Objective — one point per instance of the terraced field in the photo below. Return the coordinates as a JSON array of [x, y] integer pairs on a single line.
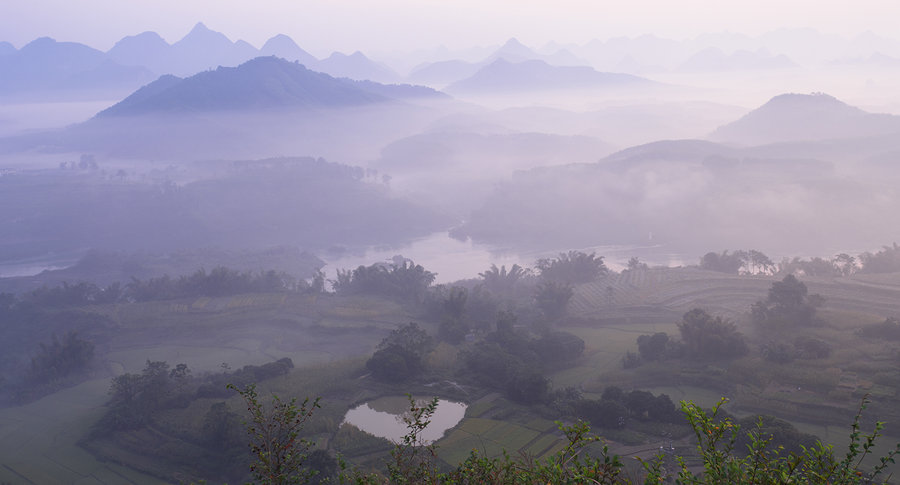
[[38, 441], [681, 289]]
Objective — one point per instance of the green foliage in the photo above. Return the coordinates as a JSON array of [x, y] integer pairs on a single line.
[[551, 298], [724, 262], [501, 282], [401, 354], [61, 358], [708, 337], [275, 442], [765, 464], [402, 280], [136, 397], [558, 348], [788, 303], [572, 268], [653, 347], [885, 261]]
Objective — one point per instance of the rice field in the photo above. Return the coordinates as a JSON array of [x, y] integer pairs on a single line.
[[38, 441]]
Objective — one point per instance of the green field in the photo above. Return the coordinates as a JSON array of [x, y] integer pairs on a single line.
[[329, 338]]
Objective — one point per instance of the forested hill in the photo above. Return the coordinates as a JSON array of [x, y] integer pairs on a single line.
[[264, 83]]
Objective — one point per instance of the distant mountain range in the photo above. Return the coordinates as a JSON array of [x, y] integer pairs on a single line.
[[446, 72], [263, 83], [45, 65], [805, 117], [713, 59], [504, 76]]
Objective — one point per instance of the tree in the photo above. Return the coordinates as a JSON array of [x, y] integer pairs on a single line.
[[653, 347], [502, 282], [572, 268], [635, 264], [275, 442], [844, 264], [708, 337], [552, 297], [401, 354], [787, 303], [759, 263], [61, 358], [885, 261], [724, 262], [558, 347]]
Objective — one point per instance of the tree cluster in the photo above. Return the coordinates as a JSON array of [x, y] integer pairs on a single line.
[[748, 262], [401, 354], [404, 280], [887, 260], [572, 268], [135, 398], [515, 363], [61, 358], [616, 407], [221, 281], [788, 304], [703, 337]]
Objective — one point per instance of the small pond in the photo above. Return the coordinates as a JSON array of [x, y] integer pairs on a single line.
[[383, 417]]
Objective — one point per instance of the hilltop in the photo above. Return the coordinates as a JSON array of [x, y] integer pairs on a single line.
[[805, 117], [262, 83]]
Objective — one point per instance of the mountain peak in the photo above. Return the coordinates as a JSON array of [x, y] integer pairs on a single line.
[[513, 42], [283, 46], [199, 27], [804, 117], [263, 83]]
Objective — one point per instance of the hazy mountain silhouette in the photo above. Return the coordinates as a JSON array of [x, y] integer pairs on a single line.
[[259, 84], [263, 83], [284, 47], [443, 72], [146, 49], [7, 49], [805, 117], [446, 72], [513, 51], [203, 48], [356, 66], [47, 65], [713, 59], [501, 75]]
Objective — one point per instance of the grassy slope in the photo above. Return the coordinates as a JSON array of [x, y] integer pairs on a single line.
[[258, 328], [38, 441]]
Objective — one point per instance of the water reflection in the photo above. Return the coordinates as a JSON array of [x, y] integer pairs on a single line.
[[383, 417]]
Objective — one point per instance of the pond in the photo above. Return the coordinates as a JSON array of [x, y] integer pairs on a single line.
[[383, 417]]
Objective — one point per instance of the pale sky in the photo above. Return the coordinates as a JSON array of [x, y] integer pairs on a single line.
[[322, 26]]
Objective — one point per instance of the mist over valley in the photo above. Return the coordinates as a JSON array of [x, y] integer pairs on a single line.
[[616, 232]]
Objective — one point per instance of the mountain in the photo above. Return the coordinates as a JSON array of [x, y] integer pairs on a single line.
[[443, 72], [47, 65], [146, 49], [713, 59], [504, 76], [203, 49], [356, 66], [805, 117], [7, 49], [450, 71], [284, 47], [513, 51], [264, 83]]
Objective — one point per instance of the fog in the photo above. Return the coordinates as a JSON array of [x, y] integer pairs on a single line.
[[491, 223]]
